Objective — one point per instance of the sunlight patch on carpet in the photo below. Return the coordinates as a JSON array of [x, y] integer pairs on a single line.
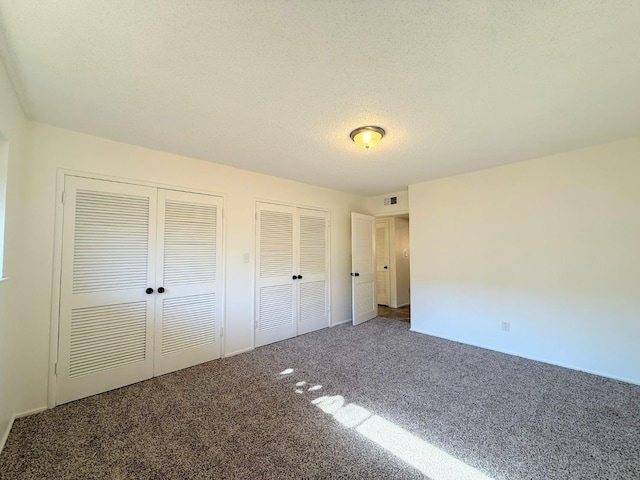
[[425, 457]]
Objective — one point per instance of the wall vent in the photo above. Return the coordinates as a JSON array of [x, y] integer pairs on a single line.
[[391, 201]]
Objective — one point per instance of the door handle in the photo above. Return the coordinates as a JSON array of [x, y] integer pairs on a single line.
[[160, 289], [385, 267], [357, 274], [299, 277], [295, 277], [149, 291]]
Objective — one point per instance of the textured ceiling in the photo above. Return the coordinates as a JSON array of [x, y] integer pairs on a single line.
[[276, 86]]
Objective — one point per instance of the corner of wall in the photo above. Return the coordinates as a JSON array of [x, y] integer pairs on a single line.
[[12, 129]]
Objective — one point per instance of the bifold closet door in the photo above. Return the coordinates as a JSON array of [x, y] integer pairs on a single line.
[[188, 300], [292, 272], [276, 286], [106, 314], [141, 286], [313, 287]]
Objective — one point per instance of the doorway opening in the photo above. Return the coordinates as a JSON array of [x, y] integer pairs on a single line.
[[393, 288], [403, 313]]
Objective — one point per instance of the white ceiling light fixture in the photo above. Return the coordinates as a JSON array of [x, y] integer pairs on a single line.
[[367, 137]]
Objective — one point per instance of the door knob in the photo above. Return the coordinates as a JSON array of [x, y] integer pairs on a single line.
[[385, 267], [160, 289], [149, 291], [357, 274], [295, 277], [299, 277]]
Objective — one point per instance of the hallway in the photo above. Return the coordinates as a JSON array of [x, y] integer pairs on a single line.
[[403, 313]]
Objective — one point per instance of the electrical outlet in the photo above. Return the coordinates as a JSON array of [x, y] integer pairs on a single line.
[[506, 326]]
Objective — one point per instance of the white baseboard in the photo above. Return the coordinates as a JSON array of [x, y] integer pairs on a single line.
[[237, 352], [348, 320], [535, 359], [5, 436], [3, 440], [31, 412]]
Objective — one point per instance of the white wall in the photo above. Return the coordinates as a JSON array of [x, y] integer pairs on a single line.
[[375, 205], [402, 270], [53, 148], [12, 129], [550, 245]]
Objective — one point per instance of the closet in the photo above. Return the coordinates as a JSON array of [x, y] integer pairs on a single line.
[[140, 291], [292, 272]]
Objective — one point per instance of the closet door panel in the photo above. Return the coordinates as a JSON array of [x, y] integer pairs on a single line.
[[189, 303], [277, 251], [313, 287], [106, 316]]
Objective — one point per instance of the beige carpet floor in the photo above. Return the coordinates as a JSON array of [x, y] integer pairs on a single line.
[[373, 401]]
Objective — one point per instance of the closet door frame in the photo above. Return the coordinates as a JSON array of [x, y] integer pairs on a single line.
[[61, 174], [257, 201]]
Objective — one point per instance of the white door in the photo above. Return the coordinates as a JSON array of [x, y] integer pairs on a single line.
[[363, 268], [382, 262], [313, 280], [140, 284], [276, 273], [106, 316], [188, 298]]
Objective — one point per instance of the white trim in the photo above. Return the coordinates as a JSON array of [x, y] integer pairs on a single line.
[[399, 213], [329, 253], [271, 201], [30, 412], [135, 181], [4, 279], [5, 436], [223, 272], [348, 320], [535, 359], [55, 288], [13, 418], [238, 352], [61, 174], [254, 276]]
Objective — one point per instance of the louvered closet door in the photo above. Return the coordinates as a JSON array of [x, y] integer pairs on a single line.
[[106, 317], [189, 310], [313, 287], [275, 266]]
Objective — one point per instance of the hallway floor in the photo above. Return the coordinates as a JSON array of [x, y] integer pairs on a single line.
[[403, 313]]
